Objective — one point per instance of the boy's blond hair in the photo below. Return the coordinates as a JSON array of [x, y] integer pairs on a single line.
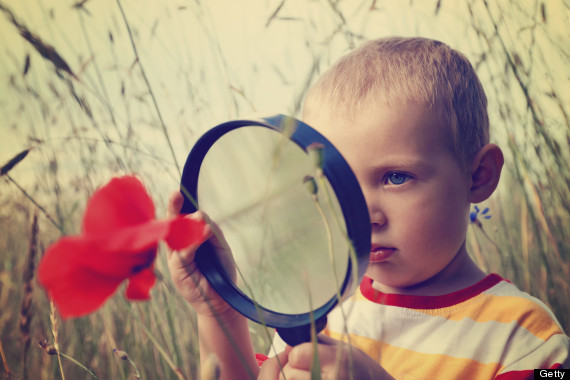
[[419, 70]]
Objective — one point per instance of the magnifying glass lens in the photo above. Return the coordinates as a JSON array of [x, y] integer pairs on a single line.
[[280, 217]]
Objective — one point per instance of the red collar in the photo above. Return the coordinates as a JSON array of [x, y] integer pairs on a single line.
[[427, 302]]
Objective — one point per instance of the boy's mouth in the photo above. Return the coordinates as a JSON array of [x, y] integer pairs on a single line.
[[379, 254]]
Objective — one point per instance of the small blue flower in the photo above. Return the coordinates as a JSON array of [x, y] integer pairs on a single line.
[[473, 215]]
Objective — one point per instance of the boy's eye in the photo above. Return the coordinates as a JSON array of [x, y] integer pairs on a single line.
[[398, 178]]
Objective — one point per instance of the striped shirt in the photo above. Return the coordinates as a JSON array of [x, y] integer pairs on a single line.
[[490, 330]]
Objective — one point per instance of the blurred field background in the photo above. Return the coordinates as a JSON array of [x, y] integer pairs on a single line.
[[102, 88]]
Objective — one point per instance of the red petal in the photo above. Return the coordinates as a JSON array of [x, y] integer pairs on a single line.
[[117, 264], [135, 238], [184, 232], [75, 289], [122, 202], [80, 273], [119, 242], [140, 285], [127, 250], [261, 358]]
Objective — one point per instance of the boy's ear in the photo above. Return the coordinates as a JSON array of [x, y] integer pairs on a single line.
[[485, 171]]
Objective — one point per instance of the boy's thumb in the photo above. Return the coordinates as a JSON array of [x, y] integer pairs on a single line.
[[327, 340]]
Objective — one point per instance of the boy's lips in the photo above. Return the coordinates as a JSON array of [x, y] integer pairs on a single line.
[[379, 254]]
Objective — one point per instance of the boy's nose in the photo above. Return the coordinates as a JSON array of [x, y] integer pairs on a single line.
[[377, 216], [377, 219]]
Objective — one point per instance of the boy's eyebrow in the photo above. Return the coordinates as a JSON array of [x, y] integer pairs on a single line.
[[400, 162]]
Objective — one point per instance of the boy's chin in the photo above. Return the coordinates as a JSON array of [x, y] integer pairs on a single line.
[[386, 280], [382, 273]]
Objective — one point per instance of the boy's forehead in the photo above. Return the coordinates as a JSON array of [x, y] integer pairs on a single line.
[[413, 123], [380, 114]]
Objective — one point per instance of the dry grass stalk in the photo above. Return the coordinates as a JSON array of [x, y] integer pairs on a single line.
[[47, 51], [124, 356], [28, 280], [7, 371], [42, 209], [54, 330]]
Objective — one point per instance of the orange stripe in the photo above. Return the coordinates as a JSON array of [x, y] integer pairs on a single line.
[[486, 308], [407, 364]]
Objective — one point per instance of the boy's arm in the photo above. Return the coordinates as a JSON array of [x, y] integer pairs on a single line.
[[227, 337], [222, 331]]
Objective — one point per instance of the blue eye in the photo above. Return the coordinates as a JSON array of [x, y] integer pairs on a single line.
[[398, 178]]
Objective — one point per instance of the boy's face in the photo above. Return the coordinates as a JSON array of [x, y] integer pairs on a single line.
[[416, 192]]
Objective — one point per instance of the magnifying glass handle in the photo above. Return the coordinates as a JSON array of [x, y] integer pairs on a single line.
[[301, 334]]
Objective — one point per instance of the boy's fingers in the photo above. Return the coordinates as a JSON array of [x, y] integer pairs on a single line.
[[175, 201], [301, 357], [270, 369]]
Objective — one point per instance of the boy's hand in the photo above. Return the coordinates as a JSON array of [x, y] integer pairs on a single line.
[[334, 358], [187, 278]]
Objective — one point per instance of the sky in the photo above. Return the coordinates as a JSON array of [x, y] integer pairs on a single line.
[[211, 61]]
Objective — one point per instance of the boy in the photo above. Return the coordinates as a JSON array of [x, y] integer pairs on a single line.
[[409, 116]]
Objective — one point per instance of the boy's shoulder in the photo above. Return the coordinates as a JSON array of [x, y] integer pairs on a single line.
[[505, 301]]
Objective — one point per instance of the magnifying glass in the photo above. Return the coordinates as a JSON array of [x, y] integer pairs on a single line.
[[293, 215]]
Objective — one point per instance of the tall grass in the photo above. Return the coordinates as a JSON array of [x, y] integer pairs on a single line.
[[529, 101], [106, 88]]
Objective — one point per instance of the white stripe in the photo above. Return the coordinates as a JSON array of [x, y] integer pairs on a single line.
[[554, 350]]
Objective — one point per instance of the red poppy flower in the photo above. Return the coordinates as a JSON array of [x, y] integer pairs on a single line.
[[118, 242]]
